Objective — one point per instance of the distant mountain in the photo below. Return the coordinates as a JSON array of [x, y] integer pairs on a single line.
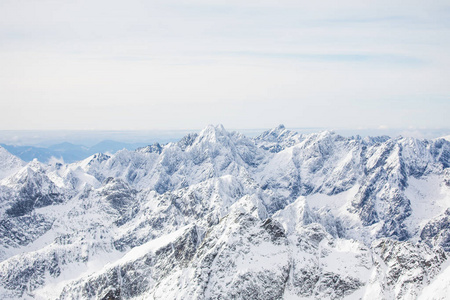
[[113, 146], [218, 215], [28, 153], [67, 151], [65, 147]]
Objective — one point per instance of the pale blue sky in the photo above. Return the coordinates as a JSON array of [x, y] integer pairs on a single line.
[[132, 65]]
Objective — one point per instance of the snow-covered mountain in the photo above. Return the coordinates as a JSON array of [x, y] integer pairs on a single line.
[[66, 151], [218, 215], [9, 164], [446, 137]]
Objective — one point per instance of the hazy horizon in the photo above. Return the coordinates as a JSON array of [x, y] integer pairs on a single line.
[[46, 138]]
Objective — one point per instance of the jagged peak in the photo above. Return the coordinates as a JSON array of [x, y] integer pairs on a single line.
[[5, 154], [97, 157], [447, 138], [187, 140], [320, 136], [114, 183], [212, 133], [4, 151], [31, 168], [9, 163], [326, 133], [153, 148], [280, 127], [278, 138], [213, 129], [295, 214], [31, 172], [376, 139], [277, 130], [276, 133]]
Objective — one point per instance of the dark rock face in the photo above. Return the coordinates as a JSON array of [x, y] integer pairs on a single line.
[[408, 265], [35, 190], [112, 295], [336, 286], [28, 203], [440, 150], [23, 230], [364, 204], [437, 231], [30, 274], [137, 275], [99, 158], [118, 193], [311, 278], [187, 141], [275, 230], [155, 148]]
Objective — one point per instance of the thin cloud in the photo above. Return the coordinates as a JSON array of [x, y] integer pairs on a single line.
[[247, 64]]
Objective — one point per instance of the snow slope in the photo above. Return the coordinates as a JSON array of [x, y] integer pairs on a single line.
[[9, 164]]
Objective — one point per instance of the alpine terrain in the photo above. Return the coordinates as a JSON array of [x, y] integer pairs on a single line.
[[218, 215]]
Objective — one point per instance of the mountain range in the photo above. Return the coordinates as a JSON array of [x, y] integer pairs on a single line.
[[67, 152], [218, 215]]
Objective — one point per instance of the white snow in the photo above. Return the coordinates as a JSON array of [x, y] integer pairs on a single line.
[[439, 288], [9, 164], [429, 198], [151, 246]]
